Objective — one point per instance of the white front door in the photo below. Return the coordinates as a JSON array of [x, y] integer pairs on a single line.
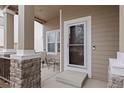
[[77, 41]]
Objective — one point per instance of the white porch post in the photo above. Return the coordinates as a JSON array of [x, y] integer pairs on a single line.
[[61, 42], [25, 70]]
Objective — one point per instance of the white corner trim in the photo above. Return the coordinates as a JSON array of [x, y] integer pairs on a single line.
[[25, 54], [8, 11], [61, 31], [89, 46]]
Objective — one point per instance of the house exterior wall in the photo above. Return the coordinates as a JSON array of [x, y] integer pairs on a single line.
[[26, 28], [104, 33], [9, 33]]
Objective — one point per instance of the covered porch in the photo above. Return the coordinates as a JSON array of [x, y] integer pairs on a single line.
[[61, 48]]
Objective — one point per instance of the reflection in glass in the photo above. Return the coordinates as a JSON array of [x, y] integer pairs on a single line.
[[77, 34], [76, 55], [76, 45], [52, 37], [53, 41], [58, 45], [51, 47]]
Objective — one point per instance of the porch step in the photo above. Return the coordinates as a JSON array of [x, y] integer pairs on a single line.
[[72, 78]]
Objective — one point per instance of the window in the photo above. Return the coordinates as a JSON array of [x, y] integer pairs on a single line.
[[53, 41]]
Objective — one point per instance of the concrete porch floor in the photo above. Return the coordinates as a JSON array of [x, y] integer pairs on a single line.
[[90, 83], [48, 77], [49, 80]]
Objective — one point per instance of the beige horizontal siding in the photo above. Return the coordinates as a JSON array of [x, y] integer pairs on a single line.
[[106, 37], [105, 34]]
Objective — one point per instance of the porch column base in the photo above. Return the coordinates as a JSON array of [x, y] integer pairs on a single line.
[[116, 71], [116, 81], [25, 70]]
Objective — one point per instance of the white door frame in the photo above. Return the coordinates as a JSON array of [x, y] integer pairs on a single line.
[[87, 48]]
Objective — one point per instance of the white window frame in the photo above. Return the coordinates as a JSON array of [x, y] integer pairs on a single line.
[[56, 42]]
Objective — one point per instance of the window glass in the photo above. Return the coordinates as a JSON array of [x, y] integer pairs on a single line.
[[58, 42], [58, 47], [77, 34], [51, 47], [53, 41], [52, 37]]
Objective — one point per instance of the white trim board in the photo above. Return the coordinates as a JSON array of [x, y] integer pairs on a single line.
[[87, 67], [25, 55]]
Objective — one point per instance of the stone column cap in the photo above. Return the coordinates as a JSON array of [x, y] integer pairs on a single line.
[[25, 54]]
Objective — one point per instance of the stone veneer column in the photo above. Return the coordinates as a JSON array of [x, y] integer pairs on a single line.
[[25, 70], [25, 73]]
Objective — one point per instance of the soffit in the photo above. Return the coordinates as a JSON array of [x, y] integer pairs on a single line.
[[43, 12], [47, 12]]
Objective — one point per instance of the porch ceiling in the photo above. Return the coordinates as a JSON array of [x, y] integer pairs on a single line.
[[42, 12], [47, 12]]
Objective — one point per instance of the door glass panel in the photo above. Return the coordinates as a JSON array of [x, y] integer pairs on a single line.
[[76, 34], [76, 55], [76, 45]]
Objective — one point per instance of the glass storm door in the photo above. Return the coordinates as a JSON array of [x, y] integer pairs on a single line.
[[77, 44]]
